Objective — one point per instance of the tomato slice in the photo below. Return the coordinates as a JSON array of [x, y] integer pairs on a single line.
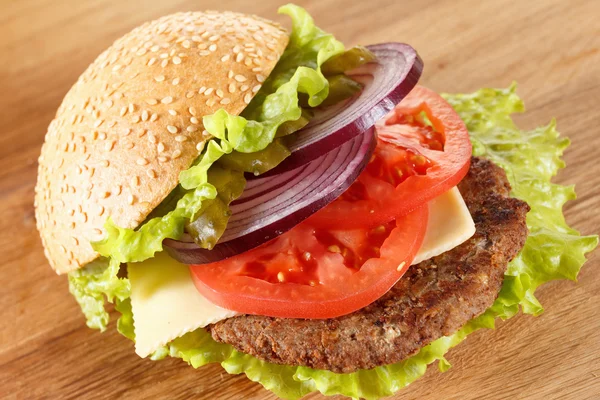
[[311, 272], [423, 150]]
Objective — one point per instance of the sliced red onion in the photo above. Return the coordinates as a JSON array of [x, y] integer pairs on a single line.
[[273, 205], [386, 81]]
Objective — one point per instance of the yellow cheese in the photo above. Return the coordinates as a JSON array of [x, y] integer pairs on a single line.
[[167, 305], [450, 224]]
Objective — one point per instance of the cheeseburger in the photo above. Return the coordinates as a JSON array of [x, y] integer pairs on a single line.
[[296, 210]]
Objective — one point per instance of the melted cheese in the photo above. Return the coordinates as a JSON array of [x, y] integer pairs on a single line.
[[167, 305]]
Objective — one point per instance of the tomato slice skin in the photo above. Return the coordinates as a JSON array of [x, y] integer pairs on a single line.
[[340, 290], [447, 168]]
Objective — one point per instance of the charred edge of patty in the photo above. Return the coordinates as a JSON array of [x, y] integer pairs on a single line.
[[433, 299]]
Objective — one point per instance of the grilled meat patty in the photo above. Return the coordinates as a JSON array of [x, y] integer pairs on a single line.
[[433, 299]]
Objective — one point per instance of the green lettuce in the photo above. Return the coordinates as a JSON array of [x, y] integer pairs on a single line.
[[91, 285], [552, 251]]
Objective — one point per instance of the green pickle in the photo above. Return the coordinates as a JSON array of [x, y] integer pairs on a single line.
[[207, 226], [256, 163]]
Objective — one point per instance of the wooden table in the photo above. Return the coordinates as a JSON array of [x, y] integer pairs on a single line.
[[552, 48]]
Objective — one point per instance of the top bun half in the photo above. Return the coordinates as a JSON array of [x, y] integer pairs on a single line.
[[133, 121]]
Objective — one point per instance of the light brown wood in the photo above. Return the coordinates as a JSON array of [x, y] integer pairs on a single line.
[[552, 48]]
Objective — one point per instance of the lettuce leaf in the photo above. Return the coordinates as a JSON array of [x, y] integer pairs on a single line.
[[93, 284], [552, 251]]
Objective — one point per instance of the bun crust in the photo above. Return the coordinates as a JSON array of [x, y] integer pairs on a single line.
[[133, 121]]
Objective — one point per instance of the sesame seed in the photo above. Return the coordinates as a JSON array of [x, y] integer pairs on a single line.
[[248, 62], [226, 100], [200, 146], [212, 47], [208, 91], [192, 128], [210, 102], [225, 58], [131, 107], [181, 138], [196, 38], [230, 74], [220, 93], [151, 173], [175, 81], [98, 123], [260, 78], [192, 110], [176, 60], [202, 90], [109, 145], [213, 38], [135, 181], [159, 78], [243, 88], [164, 63], [172, 129], [402, 264], [176, 154], [240, 78], [123, 111], [151, 61], [102, 136], [172, 112], [194, 120], [256, 88], [160, 147], [164, 55], [280, 276], [236, 49], [256, 69], [141, 52], [154, 117], [203, 46], [135, 119], [204, 52], [152, 102], [167, 100], [142, 161], [247, 98], [239, 58], [154, 48], [130, 199], [162, 158]]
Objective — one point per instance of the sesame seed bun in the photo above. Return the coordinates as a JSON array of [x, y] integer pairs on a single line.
[[133, 121]]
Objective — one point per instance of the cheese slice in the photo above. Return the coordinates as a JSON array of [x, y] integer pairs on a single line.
[[166, 304], [450, 224]]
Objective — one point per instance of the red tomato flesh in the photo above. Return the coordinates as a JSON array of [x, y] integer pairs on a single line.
[[423, 150], [312, 272]]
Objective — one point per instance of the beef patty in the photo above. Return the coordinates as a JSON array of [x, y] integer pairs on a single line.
[[433, 299]]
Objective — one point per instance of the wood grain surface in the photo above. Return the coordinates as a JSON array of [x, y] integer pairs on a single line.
[[551, 48]]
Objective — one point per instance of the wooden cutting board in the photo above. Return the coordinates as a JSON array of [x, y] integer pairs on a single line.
[[552, 48]]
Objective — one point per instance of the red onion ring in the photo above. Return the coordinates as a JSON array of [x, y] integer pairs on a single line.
[[273, 205], [386, 81]]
